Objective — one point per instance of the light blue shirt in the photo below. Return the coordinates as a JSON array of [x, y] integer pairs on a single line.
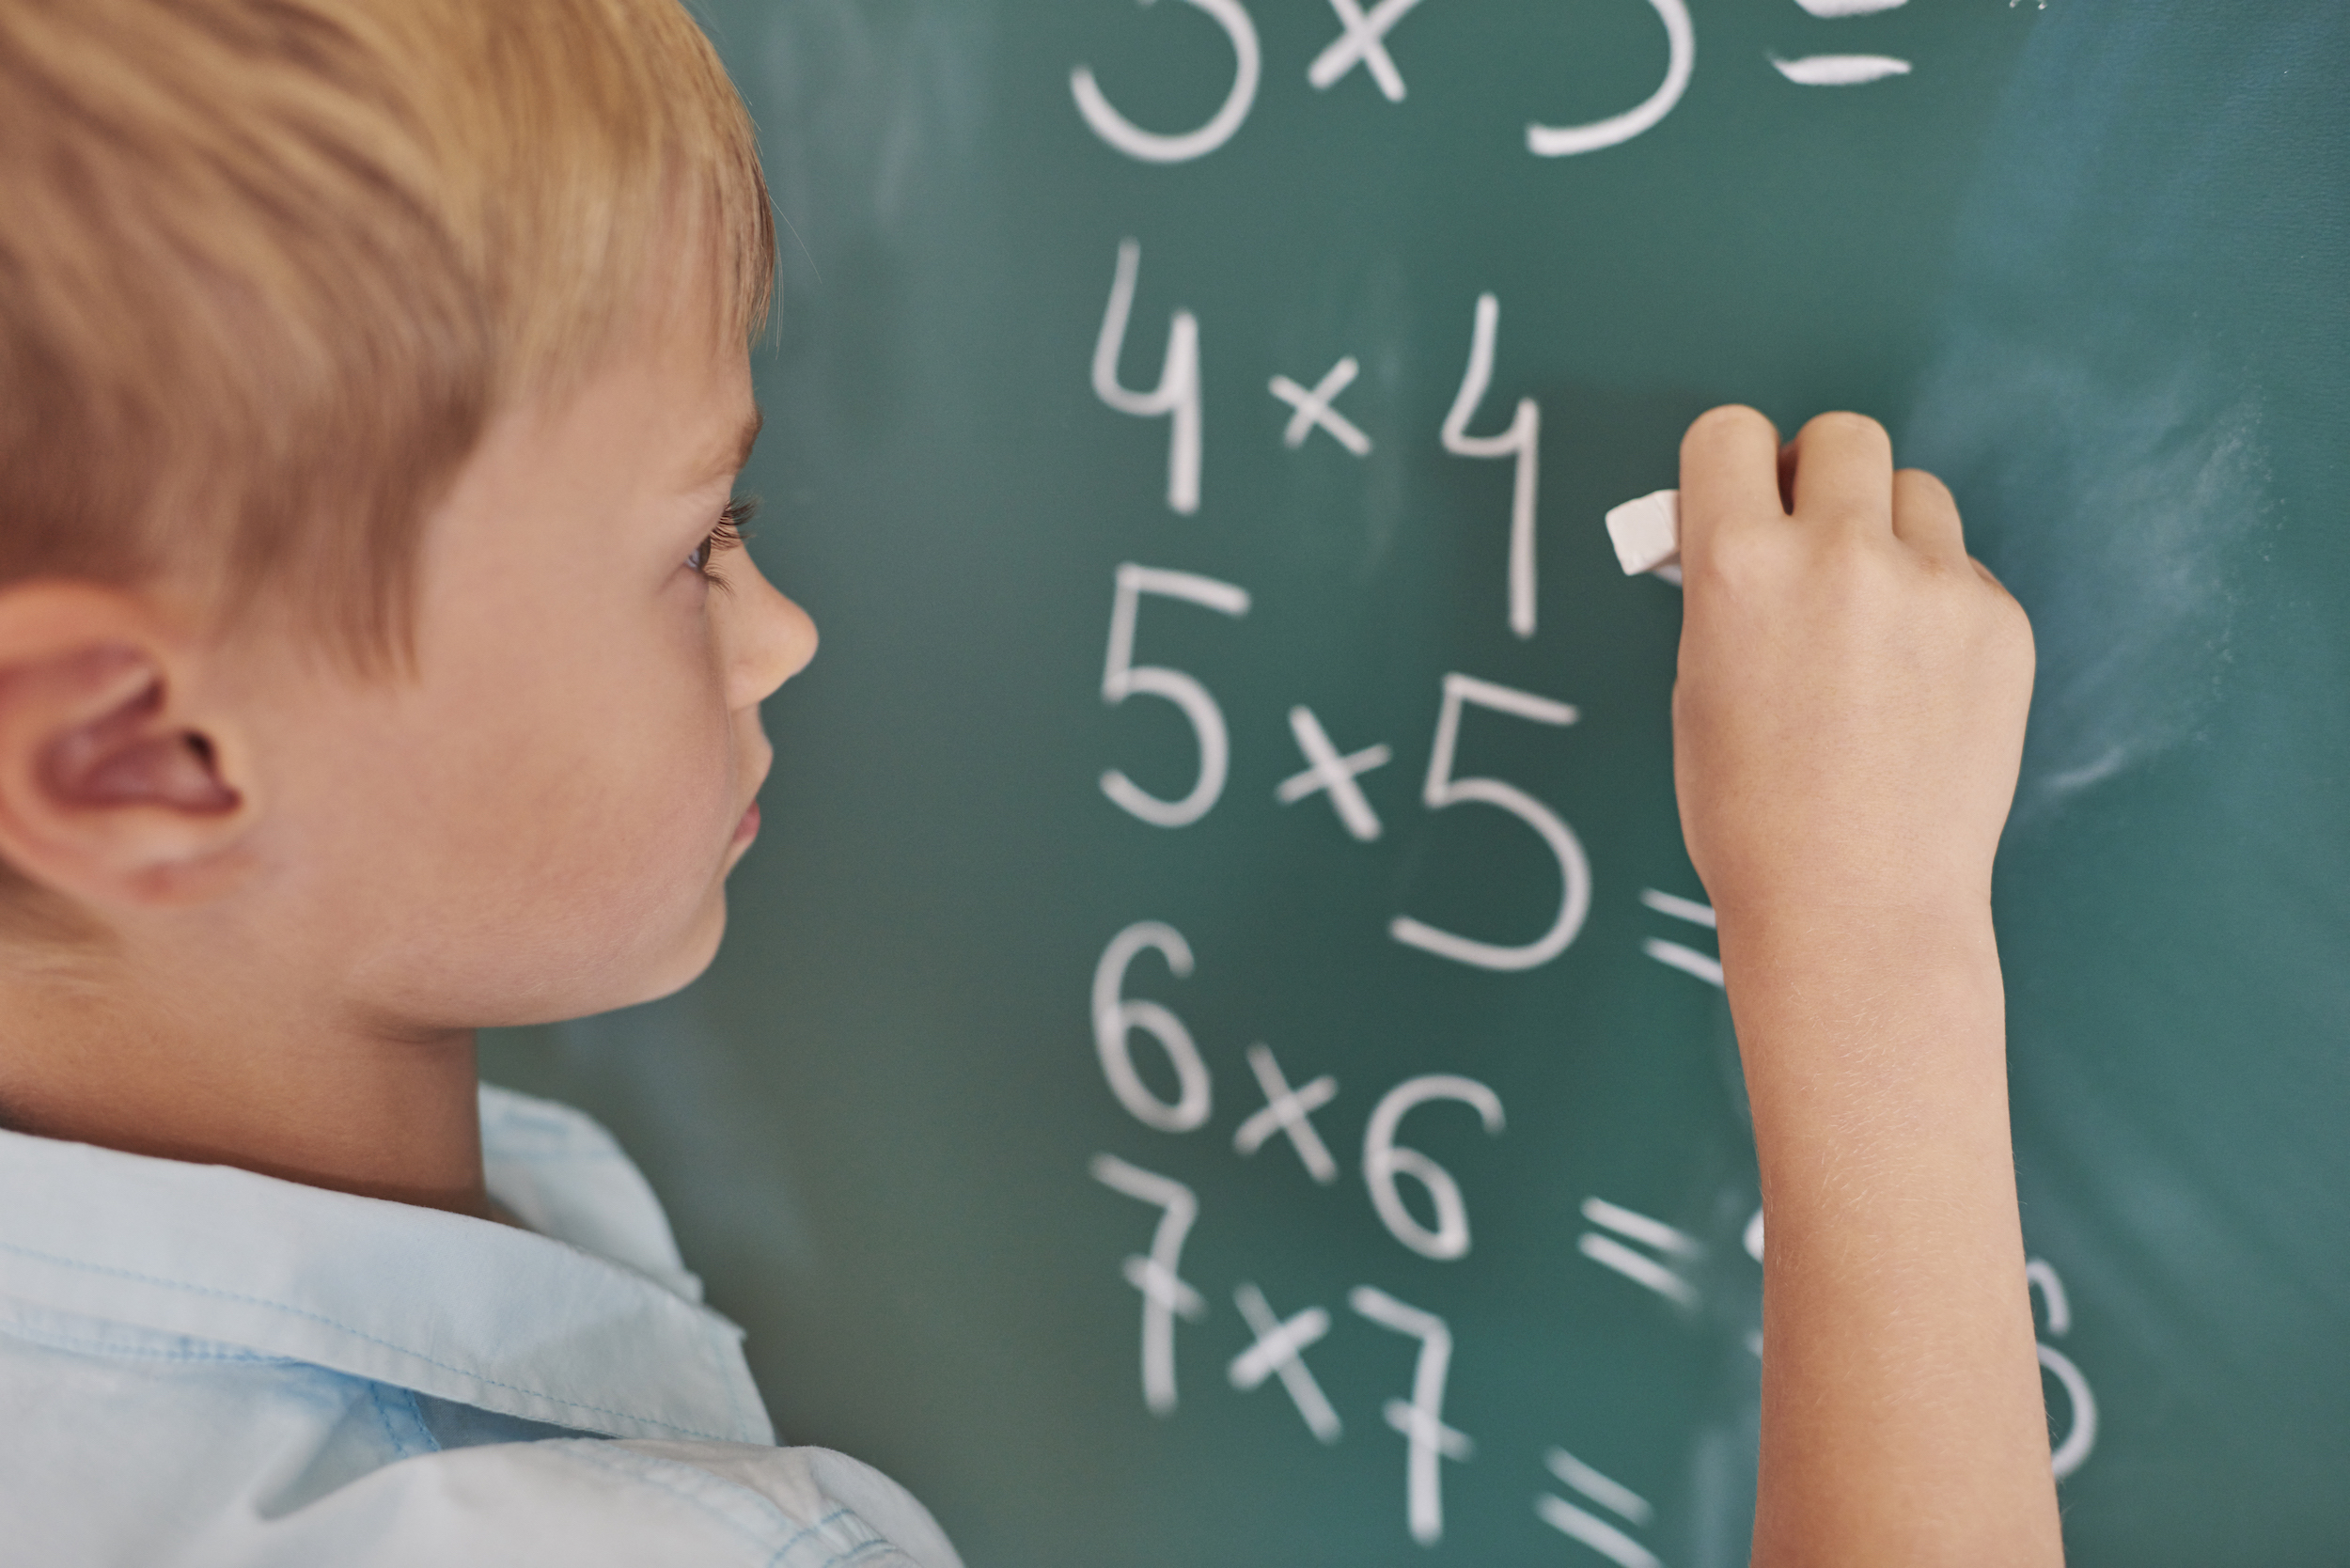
[[203, 1366]]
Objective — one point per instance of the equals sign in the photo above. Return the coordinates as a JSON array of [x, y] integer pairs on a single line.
[[1588, 1527], [1685, 959], [1654, 1269]]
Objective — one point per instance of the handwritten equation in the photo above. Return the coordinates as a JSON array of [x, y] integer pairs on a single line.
[[1647, 1252], [1363, 43], [1294, 1105], [1279, 1341]]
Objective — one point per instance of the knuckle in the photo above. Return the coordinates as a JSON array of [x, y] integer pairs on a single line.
[[1738, 558], [1928, 486], [2015, 627], [1864, 575], [1846, 515], [1857, 583], [1727, 419], [1846, 423]]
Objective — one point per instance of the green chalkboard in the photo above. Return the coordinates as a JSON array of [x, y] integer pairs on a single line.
[[960, 1124]]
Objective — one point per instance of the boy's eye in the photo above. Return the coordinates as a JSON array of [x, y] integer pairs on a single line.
[[726, 536]]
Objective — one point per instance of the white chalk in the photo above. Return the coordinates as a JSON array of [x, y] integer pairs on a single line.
[[1647, 534]]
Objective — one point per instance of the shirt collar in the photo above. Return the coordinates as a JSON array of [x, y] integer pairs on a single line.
[[460, 1308]]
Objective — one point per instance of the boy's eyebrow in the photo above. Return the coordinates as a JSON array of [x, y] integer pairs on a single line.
[[730, 457]]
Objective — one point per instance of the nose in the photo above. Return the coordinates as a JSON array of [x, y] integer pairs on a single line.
[[769, 638]]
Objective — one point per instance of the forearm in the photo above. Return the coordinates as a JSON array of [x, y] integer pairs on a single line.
[[1902, 1414]]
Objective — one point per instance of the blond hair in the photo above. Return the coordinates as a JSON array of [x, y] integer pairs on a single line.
[[268, 268]]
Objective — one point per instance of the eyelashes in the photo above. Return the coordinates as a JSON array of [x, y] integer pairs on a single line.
[[729, 535]]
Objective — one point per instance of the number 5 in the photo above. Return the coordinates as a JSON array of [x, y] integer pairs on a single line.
[[1152, 146], [1121, 678], [1443, 790]]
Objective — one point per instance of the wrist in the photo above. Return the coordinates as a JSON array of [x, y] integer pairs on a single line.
[[1946, 922], [1841, 1006]]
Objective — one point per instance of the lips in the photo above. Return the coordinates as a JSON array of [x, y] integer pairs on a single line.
[[747, 829]]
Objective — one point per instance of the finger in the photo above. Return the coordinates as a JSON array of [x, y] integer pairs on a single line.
[[1985, 572], [1843, 465], [1925, 516], [1729, 472]]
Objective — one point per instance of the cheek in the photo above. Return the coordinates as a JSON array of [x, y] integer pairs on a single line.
[[666, 820], [572, 834], [653, 791]]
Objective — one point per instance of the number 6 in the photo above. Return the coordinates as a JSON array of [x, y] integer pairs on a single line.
[[1121, 678], [1115, 1018], [1443, 790], [1383, 1162]]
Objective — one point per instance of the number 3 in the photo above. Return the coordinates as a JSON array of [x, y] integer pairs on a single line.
[[1443, 790]]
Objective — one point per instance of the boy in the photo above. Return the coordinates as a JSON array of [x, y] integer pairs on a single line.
[[373, 663], [376, 664]]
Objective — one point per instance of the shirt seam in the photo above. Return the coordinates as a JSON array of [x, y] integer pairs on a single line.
[[727, 1381], [383, 1417], [587, 1452], [360, 1334], [876, 1547], [806, 1530], [49, 1340], [875, 1543]]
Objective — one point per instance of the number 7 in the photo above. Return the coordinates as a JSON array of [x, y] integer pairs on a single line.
[[1443, 790]]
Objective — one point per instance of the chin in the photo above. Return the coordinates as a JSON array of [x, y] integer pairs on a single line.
[[627, 968], [686, 958]]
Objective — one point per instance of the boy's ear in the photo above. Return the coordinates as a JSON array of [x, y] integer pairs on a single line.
[[114, 791]]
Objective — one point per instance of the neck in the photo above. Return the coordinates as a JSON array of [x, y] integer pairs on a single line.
[[288, 1092]]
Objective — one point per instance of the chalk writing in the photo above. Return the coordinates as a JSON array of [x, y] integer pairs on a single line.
[[1115, 1019], [1313, 410], [1842, 70], [1839, 70], [1121, 678], [2081, 1436], [1177, 396], [1441, 790], [1689, 960], [1384, 1164], [1607, 1539], [1327, 770], [1280, 1351], [1165, 1294], [1681, 38], [1521, 441], [1289, 1112], [1427, 1441], [1153, 148], [1651, 1270], [1160, 1073], [1364, 43]]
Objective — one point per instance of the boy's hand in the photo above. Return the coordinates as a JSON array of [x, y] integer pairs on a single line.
[[1849, 717], [1847, 729]]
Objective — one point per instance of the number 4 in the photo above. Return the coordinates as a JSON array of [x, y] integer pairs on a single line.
[[1177, 396], [1443, 790]]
